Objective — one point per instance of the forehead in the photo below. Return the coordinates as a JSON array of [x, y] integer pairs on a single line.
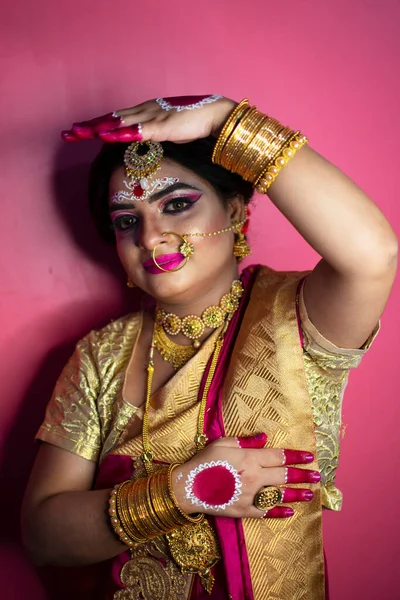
[[168, 169]]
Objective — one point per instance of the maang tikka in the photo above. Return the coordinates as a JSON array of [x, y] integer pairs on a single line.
[[139, 165]]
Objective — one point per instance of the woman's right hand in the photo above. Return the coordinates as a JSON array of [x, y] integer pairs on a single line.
[[224, 478]]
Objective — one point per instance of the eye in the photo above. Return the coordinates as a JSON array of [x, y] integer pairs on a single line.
[[177, 205], [124, 222]]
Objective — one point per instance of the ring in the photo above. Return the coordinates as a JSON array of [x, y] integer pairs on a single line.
[[268, 497], [186, 249]]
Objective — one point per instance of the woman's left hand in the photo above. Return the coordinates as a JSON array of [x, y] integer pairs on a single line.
[[181, 119]]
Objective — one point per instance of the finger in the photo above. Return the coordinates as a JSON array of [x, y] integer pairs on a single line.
[[296, 495], [274, 457], [297, 457], [252, 441], [68, 136], [92, 122], [293, 475], [106, 125], [278, 512], [124, 134]]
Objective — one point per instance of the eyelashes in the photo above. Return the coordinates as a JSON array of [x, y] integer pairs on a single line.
[[174, 206]]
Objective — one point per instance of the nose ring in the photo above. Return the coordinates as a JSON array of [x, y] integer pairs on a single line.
[[185, 248]]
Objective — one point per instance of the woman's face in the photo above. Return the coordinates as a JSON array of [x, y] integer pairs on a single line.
[[189, 206]]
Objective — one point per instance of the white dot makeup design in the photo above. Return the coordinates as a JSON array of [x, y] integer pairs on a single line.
[[186, 102]]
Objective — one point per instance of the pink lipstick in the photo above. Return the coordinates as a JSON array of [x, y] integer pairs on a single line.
[[167, 262]]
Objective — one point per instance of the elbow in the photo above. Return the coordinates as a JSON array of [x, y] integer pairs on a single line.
[[379, 259], [34, 549]]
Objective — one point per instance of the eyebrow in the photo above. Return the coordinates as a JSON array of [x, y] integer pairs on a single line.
[[172, 188]]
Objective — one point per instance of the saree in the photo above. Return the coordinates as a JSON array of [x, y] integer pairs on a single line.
[[259, 385], [276, 374]]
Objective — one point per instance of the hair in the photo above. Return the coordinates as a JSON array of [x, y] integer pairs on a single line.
[[195, 156]]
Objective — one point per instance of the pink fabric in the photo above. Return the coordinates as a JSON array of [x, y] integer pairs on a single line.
[[230, 531]]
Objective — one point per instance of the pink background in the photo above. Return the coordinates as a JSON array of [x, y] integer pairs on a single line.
[[329, 68]]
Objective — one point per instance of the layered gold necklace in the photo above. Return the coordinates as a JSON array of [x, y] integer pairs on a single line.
[[194, 547], [192, 327]]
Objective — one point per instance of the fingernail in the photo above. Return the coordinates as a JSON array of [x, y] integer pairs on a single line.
[[294, 475], [253, 441], [68, 136], [314, 477], [308, 495], [297, 457]]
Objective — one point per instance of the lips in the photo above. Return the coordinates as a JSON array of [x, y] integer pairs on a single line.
[[166, 261]]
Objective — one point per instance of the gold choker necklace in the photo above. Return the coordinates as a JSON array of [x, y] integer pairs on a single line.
[[174, 353], [192, 326]]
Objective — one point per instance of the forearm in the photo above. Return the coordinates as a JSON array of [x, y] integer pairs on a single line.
[[71, 528], [334, 216]]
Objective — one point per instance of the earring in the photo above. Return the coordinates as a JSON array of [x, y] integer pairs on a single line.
[[241, 247], [130, 284]]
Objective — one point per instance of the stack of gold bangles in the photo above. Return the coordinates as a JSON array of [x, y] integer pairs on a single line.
[[146, 508], [255, 146]]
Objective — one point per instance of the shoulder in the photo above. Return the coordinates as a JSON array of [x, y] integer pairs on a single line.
[[111, 338], [265, 276], [115, 328]]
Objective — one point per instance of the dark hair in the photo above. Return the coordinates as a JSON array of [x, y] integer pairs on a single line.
[[195, 156]]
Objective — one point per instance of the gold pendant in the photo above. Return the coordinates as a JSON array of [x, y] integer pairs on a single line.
[[195, 549], [151, 575]]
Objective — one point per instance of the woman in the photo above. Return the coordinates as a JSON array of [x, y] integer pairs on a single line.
[[223, 398]]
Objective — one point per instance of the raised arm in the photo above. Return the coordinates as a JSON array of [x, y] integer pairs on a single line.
[[347, 291]]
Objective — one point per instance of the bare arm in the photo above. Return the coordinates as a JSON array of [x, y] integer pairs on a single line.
[[346, 293], [63, 523]]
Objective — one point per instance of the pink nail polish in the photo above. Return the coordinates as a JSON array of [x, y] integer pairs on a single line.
[[297, 457], [294, 475]]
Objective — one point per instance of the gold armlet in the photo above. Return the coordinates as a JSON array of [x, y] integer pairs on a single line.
[[255, 146], [147, 508]]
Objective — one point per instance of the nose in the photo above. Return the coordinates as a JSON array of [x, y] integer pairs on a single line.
[[150, 234]]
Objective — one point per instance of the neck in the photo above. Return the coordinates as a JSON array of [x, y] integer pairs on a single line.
[[210, 296]]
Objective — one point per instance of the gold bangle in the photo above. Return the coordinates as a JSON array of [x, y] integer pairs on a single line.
[[241, 138], [196, 519], [227, 128], [115, 521], [273, 170]]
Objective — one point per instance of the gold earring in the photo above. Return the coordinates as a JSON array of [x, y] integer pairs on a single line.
[[130, 284], [241, 247]]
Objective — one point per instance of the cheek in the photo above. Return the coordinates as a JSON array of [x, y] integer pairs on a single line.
[[126, 251]]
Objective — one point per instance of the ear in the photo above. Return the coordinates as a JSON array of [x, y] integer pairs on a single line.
[[236, 208]]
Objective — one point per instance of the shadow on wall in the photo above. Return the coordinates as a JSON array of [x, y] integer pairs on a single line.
[[70, 186], [70, 176]]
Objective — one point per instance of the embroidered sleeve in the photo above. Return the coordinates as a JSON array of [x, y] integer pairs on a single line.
[[323, 352], [327, 368], [72, 420]]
